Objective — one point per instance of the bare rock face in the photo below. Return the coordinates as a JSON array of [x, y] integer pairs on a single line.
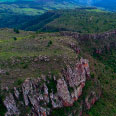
[[16, 93], [42, 100], [63, 93], [78, 75], [89, 36], [104, 46], [27, 88], [93, 96], [56, 102], [10, 104], [75, 48]]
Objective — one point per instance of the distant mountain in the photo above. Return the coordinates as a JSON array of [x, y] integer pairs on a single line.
[[27, 12], [106, 4]]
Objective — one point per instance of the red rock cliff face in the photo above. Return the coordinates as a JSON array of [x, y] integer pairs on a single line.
[[35, 93]]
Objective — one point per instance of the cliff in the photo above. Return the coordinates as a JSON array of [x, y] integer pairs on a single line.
[[45, 75], [98, 43], [42, 100]]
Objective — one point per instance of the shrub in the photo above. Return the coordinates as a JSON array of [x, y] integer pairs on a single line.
[[19, 82], [7, 73], [25, 66], [50, 43], [2, 107], [15, 38], [16, 30], [92, 75]]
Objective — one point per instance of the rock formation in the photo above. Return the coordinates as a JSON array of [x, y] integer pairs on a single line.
[[93, 40], [42, 100], [89, 36]]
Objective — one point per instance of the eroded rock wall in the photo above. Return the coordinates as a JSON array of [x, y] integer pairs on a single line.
[[94, 41], [36, 94]]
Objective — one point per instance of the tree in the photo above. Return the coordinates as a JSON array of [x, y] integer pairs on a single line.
[[16, 30], [15, 38]]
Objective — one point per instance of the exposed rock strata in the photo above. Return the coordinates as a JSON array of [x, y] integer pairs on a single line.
[[92, 39], [10, 104], [89, 36], [37, 96]]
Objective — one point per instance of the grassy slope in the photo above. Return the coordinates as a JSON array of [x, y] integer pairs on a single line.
[[34, 8], [83, 20], [13, 13], [18, 56], [103, 67]]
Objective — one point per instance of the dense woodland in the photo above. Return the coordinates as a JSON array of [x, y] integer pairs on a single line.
[[78, 20]]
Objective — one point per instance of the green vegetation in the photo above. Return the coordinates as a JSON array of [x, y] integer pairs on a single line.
[[16, 30], [25, 54], [19, 58], [102, 67], [20, 54], [2, 108], [96, 10], [32, 8], [49, 43], [16, 13], [82, 20], [15, 38], [52, 86]]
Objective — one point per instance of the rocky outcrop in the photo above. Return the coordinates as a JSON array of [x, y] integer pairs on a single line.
[[89, 36], [90, 99], [94, 41], [42, 99], [10, 104], [75, 48]]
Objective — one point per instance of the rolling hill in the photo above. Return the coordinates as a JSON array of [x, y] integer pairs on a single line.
[[83, 20], [30, 15]]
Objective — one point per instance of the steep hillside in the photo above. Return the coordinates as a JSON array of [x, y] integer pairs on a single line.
[[41, 64], [29, 12], [18, 12], [83, 20], [36, 15], [66, 68], [100, 50], [49, 60]]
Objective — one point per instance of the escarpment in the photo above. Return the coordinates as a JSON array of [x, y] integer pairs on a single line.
[[81, 37], [48, 77], [37, 95], [99, 43]]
